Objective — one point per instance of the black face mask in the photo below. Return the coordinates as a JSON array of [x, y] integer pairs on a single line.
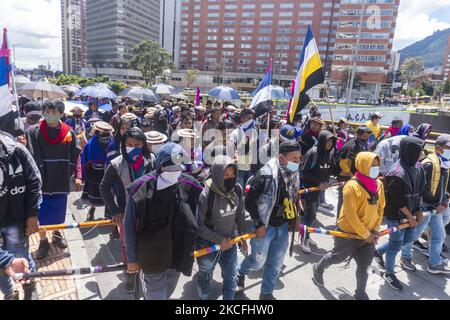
[[77, 116], [103, 140], [229, 184]]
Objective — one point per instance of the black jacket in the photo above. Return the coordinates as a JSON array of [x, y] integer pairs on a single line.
[[316, 164], [23, 180]]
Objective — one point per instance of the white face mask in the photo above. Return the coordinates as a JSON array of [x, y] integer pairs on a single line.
[[168, 179], [374, 172], [156, 148], [446, 154]]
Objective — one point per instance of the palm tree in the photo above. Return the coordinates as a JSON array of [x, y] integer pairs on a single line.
[[191, 76]]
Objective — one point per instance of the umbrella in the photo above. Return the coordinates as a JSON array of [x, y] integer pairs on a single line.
[[43, 90], [224, 93], [72, 104], [21, 80], [70, 88], [105, 107], [274, 93], [139, 93], [163, 89], [179, 96], [97, 91]]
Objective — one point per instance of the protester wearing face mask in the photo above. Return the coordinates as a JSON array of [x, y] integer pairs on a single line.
[[346, 158], [309, 138], [161, 123], [159, 244], [155, 141], [54, 147], [405, 185], [127, 121], [78, 125], [245, 139], [124, 170], [271, 197], [93, 162], [221, 217], [315, 172], [361, 214], [342, 133], [33, 114], [436, 166]]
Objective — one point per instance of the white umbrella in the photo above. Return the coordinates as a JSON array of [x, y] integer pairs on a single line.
[[21, 80], [163, 89], [70, 88], [43, 90]]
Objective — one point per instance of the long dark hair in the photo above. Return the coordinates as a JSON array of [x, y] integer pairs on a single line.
[[137, 134]]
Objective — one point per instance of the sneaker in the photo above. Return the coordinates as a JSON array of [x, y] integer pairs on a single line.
[[444, 258], [379, 260], [240, 285], [268, 297], [30, 292], [361, 296], [317, 276], [407, 264], [442, 269], [419, 246], [392, 280], [59, 240], [130, 282], [305, 247], [43, 249], [12, 296]]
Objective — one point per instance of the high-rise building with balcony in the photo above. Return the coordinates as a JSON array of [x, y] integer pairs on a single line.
[[233, 41], [73, 35]]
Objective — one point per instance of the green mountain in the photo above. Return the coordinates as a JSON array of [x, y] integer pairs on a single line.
[[431, 49]]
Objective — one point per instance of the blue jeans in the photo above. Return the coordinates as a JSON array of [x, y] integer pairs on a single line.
[[206, 265], [434, 223], [14, 240], [159, 286], [243, 177], [396, 242], [267, 252]]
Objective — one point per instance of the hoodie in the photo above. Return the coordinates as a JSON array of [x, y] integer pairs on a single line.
[[316, 164], [227, 212], [162, 239], [20, 183], [405, 181], [423, 131], [357, 214]]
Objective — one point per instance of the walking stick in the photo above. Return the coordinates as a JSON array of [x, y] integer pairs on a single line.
[[291, 248], [216, 247], [81, 225], [69, 272], [316, 189]]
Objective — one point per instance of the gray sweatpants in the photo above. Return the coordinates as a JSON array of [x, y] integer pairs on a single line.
[[159, 286], [359, 250]]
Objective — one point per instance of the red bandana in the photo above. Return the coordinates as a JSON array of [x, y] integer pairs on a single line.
[[63, 135]]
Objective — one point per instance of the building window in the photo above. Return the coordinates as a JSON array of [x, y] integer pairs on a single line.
[[228, 45], [307, 5], [285, 14], [286, 5], [228, 38], [248, 14], [230, 7], [214, 7], [267, 6], [266, 14], [246, 38], [265, 30], [229, 30], [212, 15], [246, 46], [248, 6], [284, 23]]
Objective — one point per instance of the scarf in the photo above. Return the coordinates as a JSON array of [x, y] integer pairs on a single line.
[[394, 131], [371, 184], [291, 179], [63, 136], [138, 163]]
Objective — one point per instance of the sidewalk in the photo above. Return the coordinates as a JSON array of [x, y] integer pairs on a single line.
[[94, 247]]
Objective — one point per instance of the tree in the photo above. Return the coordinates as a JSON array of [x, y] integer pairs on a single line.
[[151, 60], [117, 86], [426, 88], [411, 70], [446, 89], [191, 76], [341, 85]]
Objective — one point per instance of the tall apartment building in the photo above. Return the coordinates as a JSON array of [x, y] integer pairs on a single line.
[[170, 31], [228, 38], [446, 65], [364, 39], [73, 31], [114, 28]]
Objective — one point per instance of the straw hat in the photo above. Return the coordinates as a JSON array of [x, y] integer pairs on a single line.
[[128, 117], [103, 127], [150, 113], [200, 108], [155, 137], [187, 133]]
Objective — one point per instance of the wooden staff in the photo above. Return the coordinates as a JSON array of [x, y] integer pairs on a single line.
[[316, 189], [216, 247], [81, 225], [69, 272]]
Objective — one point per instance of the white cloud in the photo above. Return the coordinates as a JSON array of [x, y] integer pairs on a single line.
[[415, 21], [35, 27]]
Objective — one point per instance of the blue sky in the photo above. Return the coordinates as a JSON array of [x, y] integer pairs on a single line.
[[35, 26]]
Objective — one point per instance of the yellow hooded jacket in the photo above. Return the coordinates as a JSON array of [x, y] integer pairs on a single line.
[[357, 215]]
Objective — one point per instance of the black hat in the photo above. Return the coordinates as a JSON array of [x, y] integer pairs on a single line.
[[33, 108], [363, 129], [289, 146]]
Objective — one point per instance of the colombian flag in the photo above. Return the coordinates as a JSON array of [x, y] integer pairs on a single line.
[[310, 74]]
